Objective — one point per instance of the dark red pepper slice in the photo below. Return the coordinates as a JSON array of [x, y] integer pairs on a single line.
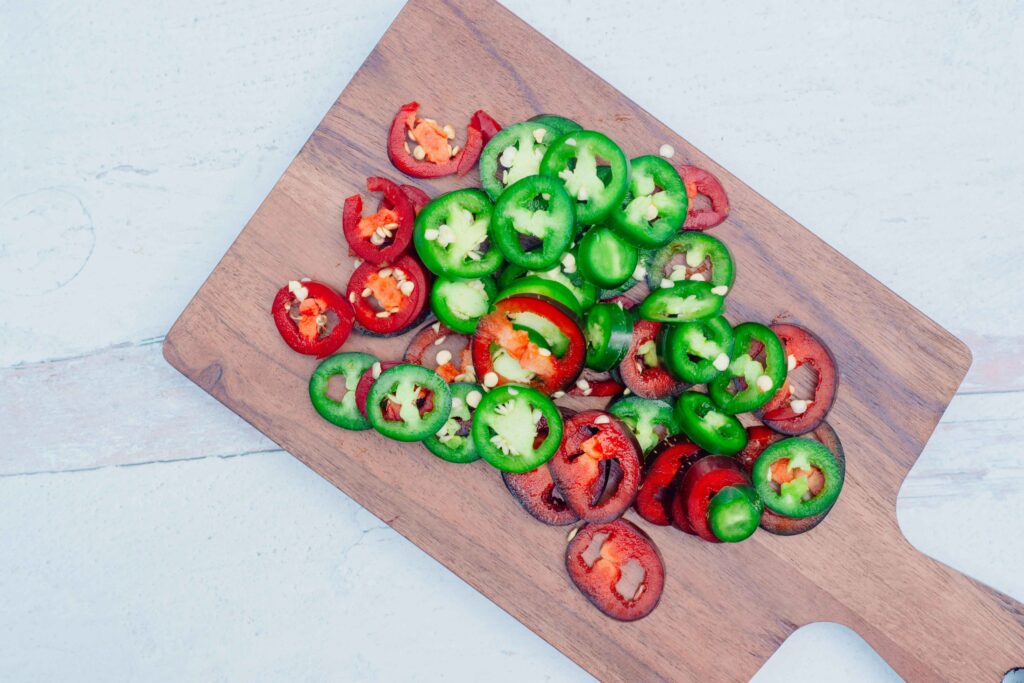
[[312, 318], [593, 383], [618, 568], [705, 478], [779, 412], [417, 197], [375, 289], [537, 493], [701, 183], [402, 157], [435, 339], [551, 372], [667, 464], [642, 379], [597, 466], [367, 379], [486, 123], [776, 523], [386, 235]]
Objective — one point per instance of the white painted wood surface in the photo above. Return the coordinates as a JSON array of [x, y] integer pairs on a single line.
[[147, 533]]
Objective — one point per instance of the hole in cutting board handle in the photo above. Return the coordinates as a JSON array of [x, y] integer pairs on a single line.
[[1014, 675]]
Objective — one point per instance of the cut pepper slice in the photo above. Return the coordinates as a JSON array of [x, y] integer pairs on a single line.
[[388, 298], [444, 351], [606, 259], [710, 211], [667, 465], [408, 403], [786, 412], [437, 156], [618, 569], [680, 302], [654, 208], [565, 273], [453, 441], [312, 318], [757, 370], [642, 370], [451, 235], [707, 426], [702, 482], [609, 332], [597, 466], [516, 428], [693, 256], [575, 159], [533, 222], [697, 351], [341, 411], [650, 419], [504, 351], [798, 477], [384, 236], [459, 304], [513, 154]]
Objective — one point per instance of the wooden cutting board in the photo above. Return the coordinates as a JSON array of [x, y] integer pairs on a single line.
[[724, 609]]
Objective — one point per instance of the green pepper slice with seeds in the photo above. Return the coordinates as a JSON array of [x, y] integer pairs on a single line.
[[693, 255], [512, 154], [798, 477], [575, 159], [408, 403], [682, 302], [341, 412], [460, 303], [533, 222], [697, 351], [654, 208], [757, 370], [650, 419], [454, 442], [516, 428], [451, 235]]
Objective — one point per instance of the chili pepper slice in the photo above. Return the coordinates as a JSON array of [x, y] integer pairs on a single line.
[[565, 273], [703, 481], [679, 302], [697, 351], [341, 411], [388, 298], [787, 413], [608, 328], [533, 223], [408, 403], [707, 426], [311, 317], [597, 466], [642, 370], [715, 208], [534, 284], [734, 513], [366, 381], [513, 154], [504, 350], [453, 441], [667, 464], [559, 124], [597, 384], [798, 477], [759, 438], [618, 569], [460, 303], [437, 157], [756, 372], [654, 208], [650, 419], [486, 123], [417, 197], [574, 159], [509, 428], [606, 259], [537, 494], [451, 235], [693, 256], [384, 236], [444, 351]]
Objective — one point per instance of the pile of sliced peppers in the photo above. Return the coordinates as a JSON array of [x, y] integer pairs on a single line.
[[572, 271]]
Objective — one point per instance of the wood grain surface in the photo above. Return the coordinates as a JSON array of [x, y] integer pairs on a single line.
[[724, 610]]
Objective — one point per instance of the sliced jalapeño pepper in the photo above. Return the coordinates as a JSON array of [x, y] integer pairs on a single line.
[[507, 428], [453, 441], [535, 284], [650, 419], [655, 207], [533, 223], [513, 154], [693, 256], [697, 351], [384, 236], [565, 273], [342, 412], [387, 299], [680, 302], [701, 183], [460, 303], [574, 159], [423, 149], [609, 332], [756, 372], [408, 403], [312, 318], [605, 258], [642, 370], [798, 477], [451, 235], [734, 513], [559, 124], [787, 412], [707, 426]]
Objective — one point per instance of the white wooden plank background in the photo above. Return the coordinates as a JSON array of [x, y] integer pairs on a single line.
[[146, 533]]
